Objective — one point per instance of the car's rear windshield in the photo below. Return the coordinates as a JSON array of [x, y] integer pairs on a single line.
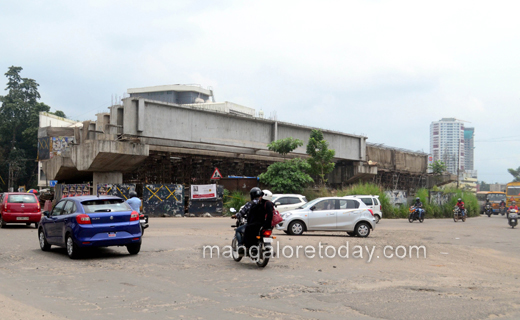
[[105, 205], [21, 198]]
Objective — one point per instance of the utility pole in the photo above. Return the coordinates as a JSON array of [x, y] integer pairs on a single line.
[[458, 166]]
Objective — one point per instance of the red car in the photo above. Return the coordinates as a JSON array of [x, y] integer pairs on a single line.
[[17, 207]]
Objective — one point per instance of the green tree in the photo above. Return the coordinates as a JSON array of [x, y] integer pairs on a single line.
[[484, 186], [515, 174], [288, 176], [19, 116], [438, 167], [285, 146], [59, 113], [321, 157]]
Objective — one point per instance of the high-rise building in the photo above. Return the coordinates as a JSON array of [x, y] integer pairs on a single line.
[[469, 145], [447, 143]]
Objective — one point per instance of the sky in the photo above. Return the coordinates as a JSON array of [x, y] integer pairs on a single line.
[[384, 69]]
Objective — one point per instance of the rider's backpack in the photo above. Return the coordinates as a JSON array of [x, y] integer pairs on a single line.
[[277, 218]]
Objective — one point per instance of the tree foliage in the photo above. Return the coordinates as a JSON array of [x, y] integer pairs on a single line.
[[438, 167], [290, 176], [19, 119], [485, 186], [285, 146], [515, 174], [321, 157]]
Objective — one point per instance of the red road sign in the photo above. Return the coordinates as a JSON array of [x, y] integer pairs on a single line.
[[216, 175]]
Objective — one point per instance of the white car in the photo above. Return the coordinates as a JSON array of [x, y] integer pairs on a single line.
[[286, 202], [372, 202], [329, 214]]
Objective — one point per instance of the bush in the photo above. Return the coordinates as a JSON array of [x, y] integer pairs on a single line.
[[401, 212], [235, 199]]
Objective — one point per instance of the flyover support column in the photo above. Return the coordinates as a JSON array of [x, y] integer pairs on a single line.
[[106, 178]]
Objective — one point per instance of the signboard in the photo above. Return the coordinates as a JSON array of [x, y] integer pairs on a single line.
[[74, 190], [205, 191], [216, 175], [52, 183]]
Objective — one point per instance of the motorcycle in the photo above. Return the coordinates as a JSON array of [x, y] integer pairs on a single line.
[[143, 221], [415, 214], [502, 210], [260, 253], [457, 215], [512, 218], [488, 210]]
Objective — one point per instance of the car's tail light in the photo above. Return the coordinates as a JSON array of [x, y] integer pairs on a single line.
[[39, 207], [134, 216], [83, 219], [380, 208], [372, 212], [267, 233]]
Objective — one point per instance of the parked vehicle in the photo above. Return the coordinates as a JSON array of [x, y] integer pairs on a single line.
[[512, 219], [260, 253], [90, 221], [330, 214], [18, 207], [488, 210], [457, 215], [415, 214], [286, 202], [372, 202]]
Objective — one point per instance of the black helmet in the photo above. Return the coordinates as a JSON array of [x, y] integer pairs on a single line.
[[417, 199], [132, 194], [256, 193]]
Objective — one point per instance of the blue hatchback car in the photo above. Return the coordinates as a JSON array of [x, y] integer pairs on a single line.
[[90, 221]]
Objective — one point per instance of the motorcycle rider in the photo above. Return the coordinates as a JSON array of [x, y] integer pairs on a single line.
[[243, 214], [460, 204], [259, 217], [513, 206], [134, 201], [418, 205]]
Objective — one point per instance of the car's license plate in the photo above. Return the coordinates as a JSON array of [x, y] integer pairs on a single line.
[[22, 218], [268, 240], [111, 235]]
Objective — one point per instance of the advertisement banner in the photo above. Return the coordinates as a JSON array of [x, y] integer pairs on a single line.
[[205, 191]]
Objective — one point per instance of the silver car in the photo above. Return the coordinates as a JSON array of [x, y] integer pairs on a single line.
[[329, 214]]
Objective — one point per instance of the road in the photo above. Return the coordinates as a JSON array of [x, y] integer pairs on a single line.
[[470, 271]]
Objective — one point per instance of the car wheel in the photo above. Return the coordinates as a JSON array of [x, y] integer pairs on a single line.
[[351, 233], [362, 230], [44, 245], [72, 247], [133, 248], [296, 228], [2, 223], [377, 218], [36, 225]]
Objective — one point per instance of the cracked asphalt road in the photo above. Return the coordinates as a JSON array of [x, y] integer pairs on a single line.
[[471, 271]]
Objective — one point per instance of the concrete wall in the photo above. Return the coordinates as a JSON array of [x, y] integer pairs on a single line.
[[394, 159], [165, 121]]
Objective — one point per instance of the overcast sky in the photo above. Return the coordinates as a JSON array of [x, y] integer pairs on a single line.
[[385, 69]]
